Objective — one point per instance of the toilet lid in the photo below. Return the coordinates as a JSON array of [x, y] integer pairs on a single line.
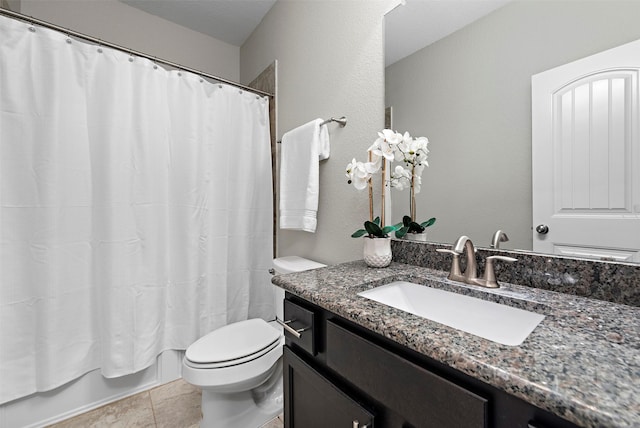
[[232, 342], [289, 264]]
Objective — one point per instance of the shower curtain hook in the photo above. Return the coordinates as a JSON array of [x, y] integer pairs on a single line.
[[32, 24]]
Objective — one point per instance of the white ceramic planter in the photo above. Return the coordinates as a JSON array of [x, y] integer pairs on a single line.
[[421, 237], [377, 252]]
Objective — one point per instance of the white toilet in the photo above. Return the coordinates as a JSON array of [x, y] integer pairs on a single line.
[[239, 366]]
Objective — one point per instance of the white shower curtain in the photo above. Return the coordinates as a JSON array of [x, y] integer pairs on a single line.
[[135, 209]]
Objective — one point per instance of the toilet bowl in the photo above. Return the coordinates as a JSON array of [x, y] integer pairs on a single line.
[[239, 366]]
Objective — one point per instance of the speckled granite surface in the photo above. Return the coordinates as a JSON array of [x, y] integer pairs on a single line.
[[611, 281], [581, 363]]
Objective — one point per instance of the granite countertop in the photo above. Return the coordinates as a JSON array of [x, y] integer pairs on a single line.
[[581, 363]]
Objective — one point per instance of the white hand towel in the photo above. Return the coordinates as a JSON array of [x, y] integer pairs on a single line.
[[301, 150]]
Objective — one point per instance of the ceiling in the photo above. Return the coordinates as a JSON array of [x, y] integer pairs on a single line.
[[408, 27], [231, 21], [419, 23]]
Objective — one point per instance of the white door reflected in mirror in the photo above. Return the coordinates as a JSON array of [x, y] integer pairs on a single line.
[[586, 157]]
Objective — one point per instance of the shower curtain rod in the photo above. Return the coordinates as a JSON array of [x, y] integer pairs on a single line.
[[100, 42]]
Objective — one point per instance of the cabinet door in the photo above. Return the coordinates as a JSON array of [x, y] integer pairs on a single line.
[[423, 398], [311, 401]]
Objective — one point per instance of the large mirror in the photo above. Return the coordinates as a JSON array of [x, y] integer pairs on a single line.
[[469, 93]]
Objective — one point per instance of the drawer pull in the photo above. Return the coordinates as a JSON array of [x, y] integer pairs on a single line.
[[285, 325]]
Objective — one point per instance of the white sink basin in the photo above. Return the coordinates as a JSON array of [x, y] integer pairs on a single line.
[[493, 321]]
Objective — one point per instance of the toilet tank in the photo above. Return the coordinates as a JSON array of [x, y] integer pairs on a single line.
[[289, 264]]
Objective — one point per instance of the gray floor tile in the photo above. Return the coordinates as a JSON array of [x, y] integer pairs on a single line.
[[176, 404], [131, 412], [274, 423]]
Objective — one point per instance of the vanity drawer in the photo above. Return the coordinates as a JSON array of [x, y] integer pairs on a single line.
[[423, 398], [302, 321]]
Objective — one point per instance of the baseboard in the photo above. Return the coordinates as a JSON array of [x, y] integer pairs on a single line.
[[91, 406], [87, 393]]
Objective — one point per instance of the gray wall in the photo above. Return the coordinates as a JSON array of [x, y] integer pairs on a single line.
[[330, 63], [124, 25], [470, 94]]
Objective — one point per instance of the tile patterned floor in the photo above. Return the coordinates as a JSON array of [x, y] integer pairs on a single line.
[[173, 405]]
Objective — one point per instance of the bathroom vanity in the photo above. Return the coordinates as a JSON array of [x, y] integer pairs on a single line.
[[360, 363]]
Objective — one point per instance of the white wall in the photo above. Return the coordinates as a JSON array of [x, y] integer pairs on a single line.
[[127, 26], [470, 94], [330, 63]]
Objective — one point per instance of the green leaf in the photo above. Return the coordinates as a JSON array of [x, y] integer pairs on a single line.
[[373, 229], [388, 229], [401, 232], [377, 221], [397, 226], [415, 227], [358, 233], [406, 220], [429, 222]]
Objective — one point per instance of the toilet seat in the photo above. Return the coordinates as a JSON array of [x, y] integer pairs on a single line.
[[236, 372], [223, 364], [233, 344]]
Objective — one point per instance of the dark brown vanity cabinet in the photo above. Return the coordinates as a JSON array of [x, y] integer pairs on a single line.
[[312, 401], [338, 374], [411, 391]]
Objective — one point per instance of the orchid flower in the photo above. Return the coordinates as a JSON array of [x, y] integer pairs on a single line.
[[400, 178], [391, 146], [359, 173], [386, 144]]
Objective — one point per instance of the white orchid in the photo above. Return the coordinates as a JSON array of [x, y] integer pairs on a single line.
[[400, 178], [413, 151], [386, 144], [359, 173], [376, 162], [392, 146], [403, 147]]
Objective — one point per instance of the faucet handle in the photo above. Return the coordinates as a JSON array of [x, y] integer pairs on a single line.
[[455, 274], [446, 250], [503, 258], [489, 272]]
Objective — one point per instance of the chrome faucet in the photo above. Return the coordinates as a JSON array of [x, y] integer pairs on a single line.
[[470, 275], [498, 237]]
